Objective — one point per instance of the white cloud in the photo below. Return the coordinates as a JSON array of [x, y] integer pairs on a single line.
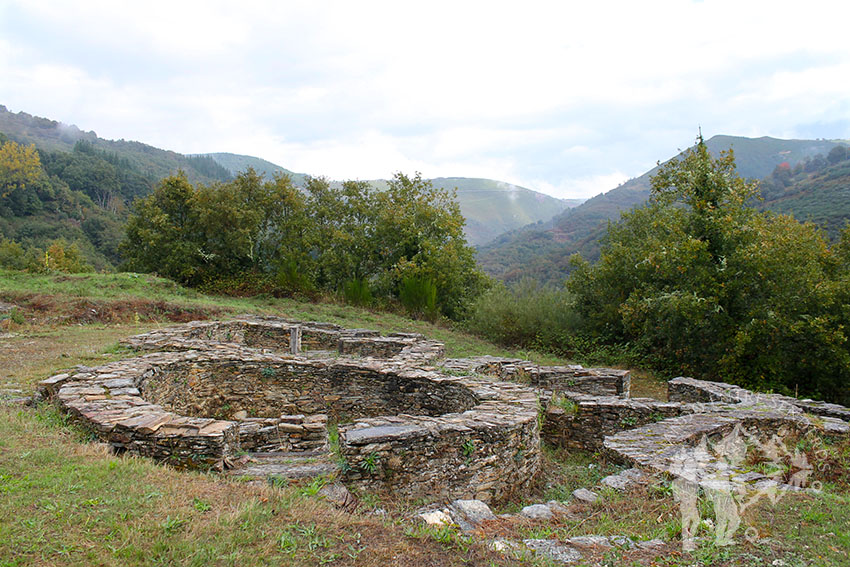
[[580, 187], [562, 97]]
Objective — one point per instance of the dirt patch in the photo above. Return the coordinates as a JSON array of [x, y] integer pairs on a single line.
[[57, 310]]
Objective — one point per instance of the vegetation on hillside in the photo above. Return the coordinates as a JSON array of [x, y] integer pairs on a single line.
[[697, 282], [60, 187], [152, 163], [405, 242], [815, 190], [236, 163]]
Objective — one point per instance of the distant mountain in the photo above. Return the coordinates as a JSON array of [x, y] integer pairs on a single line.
[[490, 207], [543, 252], [817, 190], [236, 163], [150, 162]]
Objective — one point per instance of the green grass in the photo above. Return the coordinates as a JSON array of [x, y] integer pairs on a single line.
[[65, 500], [140, 290]]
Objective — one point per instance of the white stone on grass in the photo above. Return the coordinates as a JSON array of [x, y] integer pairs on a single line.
[[436, 518], [585, 495], [537, 512], [554, 550]]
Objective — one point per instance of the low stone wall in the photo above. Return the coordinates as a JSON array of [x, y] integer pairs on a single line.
[[291, 337], [721, 415], [582, 422], [107, 401], [574, 378], [588, 422], [287, 433], [489, 452], [451, 435], [702, 391], [265, 385]]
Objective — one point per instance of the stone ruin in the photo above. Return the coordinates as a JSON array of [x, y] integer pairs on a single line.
[[256, 395]]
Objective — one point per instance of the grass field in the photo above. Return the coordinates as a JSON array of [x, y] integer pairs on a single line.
[[65, 500]]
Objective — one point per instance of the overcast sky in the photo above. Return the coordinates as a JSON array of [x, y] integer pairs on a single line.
[[568, 98]]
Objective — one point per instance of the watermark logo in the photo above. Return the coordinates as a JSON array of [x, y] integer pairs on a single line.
[[719, 469]]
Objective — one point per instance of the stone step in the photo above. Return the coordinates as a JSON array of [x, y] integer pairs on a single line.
[[287, 465]]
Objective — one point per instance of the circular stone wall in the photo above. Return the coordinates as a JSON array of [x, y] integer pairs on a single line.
[[268, 386], [416, 432]]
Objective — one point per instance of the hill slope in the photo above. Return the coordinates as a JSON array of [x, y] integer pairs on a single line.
[[236, 163], [543, 252], [153, 163], [492, 208]]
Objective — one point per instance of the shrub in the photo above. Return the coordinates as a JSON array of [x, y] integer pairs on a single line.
[[357, 292], [525, 315], [418, 295]]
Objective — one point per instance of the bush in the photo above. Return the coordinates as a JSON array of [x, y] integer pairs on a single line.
[[357, 292], [418, 295], [60, 256], [525, 315], [13, 256]]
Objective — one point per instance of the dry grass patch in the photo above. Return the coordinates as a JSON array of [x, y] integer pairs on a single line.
[[33, 353]]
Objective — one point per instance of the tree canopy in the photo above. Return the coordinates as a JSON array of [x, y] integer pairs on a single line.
[[405, 242], [703, 284]]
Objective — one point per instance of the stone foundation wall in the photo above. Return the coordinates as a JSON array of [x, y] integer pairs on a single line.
[[269, 387], [691, 446], [575, 378], [583, 422], [287, 433], [276, 334], [107, 401], [472, 437], [702, 391], [491, 452]]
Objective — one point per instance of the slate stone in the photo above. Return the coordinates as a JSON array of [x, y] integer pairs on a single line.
[[616, 481], [473, 511], [590, 541], [553, 550], [537, 512], [585, 495]]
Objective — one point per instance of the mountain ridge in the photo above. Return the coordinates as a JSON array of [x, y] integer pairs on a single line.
[[542, 253]]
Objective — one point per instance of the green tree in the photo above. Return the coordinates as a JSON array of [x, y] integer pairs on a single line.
[[162, 234], [342, 235], [406, 242], [705, 285], [21, 180], [419, 232]]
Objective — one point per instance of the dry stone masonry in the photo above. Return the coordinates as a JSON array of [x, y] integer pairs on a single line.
[[213, 391], [467, 429], [574, 378]]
